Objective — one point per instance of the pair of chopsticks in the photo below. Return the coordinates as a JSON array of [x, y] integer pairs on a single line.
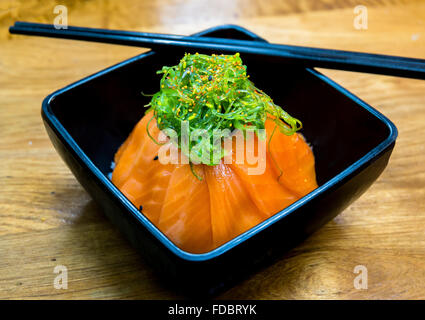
[[305, 56]]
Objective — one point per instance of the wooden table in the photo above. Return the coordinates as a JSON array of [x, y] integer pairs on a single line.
[[47, 219]]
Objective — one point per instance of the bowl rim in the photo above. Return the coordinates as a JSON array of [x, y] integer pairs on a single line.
[[71, 144]]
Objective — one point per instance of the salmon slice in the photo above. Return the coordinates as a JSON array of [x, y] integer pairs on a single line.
[[185, 217], [232, 210], [141, 178], [264, 189], [149, 197], [137, 148], [292, 160], [136, 136]]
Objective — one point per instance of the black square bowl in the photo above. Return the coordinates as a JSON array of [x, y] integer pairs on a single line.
[[88, 120]]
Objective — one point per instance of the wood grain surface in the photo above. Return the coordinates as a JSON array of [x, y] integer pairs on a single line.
[[47, 219]]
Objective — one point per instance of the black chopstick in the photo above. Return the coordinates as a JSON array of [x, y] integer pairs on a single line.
[[305, 56]]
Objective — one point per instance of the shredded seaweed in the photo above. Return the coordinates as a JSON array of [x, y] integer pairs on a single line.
[[194, 172], [213, 92]]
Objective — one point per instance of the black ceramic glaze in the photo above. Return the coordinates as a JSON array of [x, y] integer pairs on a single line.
[[352, 142]]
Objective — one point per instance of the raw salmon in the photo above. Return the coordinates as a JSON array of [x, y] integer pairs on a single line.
[[200, 215], [292, 160], [185, 216]]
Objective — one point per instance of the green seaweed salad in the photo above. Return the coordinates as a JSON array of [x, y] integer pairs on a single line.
[[213, 92]]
